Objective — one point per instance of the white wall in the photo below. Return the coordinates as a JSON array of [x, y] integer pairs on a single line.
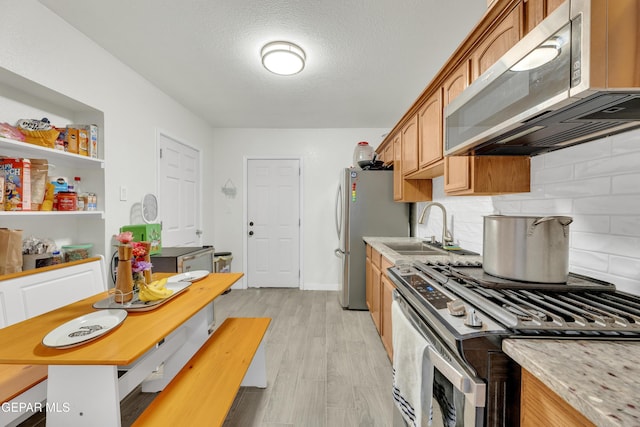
[[596, 183], [323, 152], [40, 46]]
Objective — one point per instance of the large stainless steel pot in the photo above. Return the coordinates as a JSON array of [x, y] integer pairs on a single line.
[[531, 249]]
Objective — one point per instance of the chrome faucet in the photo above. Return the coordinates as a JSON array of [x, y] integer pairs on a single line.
[[446, 236]]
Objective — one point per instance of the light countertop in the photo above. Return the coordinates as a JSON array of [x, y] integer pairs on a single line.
[[601, 379], [379, 244]]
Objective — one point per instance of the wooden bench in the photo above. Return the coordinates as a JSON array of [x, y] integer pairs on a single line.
[[29, 294], [202, 393]]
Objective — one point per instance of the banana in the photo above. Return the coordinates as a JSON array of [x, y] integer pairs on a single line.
[[154, 291]]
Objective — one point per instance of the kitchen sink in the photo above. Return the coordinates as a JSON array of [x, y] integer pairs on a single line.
[[424, 248], [415, 248]]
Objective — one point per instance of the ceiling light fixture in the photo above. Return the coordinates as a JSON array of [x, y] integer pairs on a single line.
[[283, 58]]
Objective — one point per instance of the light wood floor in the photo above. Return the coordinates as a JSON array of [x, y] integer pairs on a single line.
[[325, 366]]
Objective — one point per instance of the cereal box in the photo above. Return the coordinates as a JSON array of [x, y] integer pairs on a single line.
[[72, 140], [83, 142], [91, 132], [17, 177]]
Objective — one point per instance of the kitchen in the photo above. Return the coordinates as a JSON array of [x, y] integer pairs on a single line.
[[594, 182]]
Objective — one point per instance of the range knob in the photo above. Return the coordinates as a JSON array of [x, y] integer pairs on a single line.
[[472, 319], [456, 307]]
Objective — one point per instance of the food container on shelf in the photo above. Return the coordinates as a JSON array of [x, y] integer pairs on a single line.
[[77, 252]]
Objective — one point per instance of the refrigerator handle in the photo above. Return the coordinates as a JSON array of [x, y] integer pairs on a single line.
[[339, 211]]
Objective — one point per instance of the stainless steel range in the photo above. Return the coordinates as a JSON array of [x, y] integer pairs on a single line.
[[466, 313]]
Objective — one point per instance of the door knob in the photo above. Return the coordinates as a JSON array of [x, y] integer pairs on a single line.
[[251, 233]]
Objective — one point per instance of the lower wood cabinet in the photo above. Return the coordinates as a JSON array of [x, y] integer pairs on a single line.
[[387, 288], [379, 295], [540, 406]]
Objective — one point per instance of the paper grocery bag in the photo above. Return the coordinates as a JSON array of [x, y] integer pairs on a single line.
[[10, 251]]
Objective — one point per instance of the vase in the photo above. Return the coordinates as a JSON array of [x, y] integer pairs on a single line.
[[147, 258], [124, 275]]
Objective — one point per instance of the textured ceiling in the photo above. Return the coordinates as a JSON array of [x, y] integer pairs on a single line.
[[367, 60]]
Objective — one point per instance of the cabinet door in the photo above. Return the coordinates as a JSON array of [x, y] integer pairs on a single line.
[[541, 406], [502, 38], [430, 130], [409, 134], [368, 282], [397, 167], [375, 296], [387, 297], [536, 10], [457, 174], [388, 154]]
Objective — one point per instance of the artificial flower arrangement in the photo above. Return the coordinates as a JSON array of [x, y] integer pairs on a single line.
[[134, 266]]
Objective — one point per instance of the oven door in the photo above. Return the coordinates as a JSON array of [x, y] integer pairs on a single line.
[[458, 397]]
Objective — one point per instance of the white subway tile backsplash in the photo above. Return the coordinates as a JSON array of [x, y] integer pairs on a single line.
[[625, 267], [625, 205], [626, 184], [596, 183], [626, 225], [606, 243], [591, 260], [547, 207], [609, 166], [625, 143], [562, 173], [579, 153], [591, 223], [579, 188]]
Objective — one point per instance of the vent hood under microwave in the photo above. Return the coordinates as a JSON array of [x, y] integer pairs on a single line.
[[586, 86]]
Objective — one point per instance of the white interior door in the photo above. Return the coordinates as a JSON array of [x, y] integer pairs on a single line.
[[273, 223], [179, 176]]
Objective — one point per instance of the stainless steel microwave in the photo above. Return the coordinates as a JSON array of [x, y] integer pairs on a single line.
[[572, 79]]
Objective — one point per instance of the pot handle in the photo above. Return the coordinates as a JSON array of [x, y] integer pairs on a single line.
[[563, 220]]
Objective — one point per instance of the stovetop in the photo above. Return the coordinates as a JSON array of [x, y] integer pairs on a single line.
[[468, 302]]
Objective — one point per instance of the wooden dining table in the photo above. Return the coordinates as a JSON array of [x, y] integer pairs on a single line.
[[87, 382]]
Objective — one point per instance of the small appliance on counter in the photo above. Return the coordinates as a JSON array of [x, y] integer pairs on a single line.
[[183, 259]]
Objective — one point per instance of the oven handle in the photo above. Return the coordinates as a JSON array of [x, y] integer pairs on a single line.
[[460, 380]]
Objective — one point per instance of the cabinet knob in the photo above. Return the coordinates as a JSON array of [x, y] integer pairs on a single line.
[[251, 233], [251, 224]]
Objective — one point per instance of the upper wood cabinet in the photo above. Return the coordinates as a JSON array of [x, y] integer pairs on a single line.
[[387, 154], [502, 38], [409, 134], [430, 130], [407, 190], [536, 10], [420, 132], [457, 170], [466, 175]]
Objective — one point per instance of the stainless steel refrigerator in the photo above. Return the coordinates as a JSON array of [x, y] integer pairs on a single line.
[[364, 207]]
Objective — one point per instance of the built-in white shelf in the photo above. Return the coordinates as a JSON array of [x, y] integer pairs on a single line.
[[10, 147]]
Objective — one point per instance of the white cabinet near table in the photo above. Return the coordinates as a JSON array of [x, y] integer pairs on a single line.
[[21, 98]]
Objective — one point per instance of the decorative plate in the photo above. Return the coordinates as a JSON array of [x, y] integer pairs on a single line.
[[189, 276], [84, 328]]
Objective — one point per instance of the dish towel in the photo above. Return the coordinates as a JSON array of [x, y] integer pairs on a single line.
[[412, 370]]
